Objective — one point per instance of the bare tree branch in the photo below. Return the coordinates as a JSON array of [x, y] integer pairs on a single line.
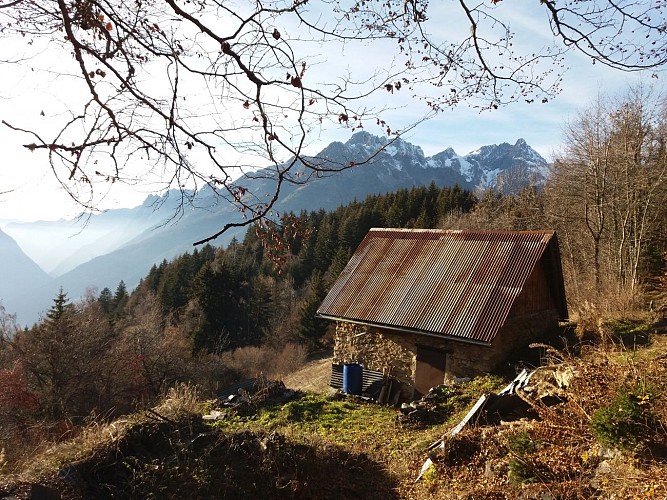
[[206, 93]]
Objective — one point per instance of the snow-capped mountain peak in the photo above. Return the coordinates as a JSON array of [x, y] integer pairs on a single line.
[[507, 167], [365, 140]]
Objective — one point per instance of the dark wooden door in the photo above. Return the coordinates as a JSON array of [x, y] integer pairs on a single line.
[[430, 370]]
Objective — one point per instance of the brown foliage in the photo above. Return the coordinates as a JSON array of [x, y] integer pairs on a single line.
[[606, 197], [269, 361], [558, 453]]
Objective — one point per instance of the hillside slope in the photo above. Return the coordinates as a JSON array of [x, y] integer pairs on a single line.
[[19, 274], [604, 438]]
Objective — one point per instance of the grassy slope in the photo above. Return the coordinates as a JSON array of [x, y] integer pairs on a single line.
[[319, 447]]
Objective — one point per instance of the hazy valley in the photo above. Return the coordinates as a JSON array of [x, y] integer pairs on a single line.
[[123, 244]]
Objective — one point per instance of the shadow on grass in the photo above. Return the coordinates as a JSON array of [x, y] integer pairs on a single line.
[[163, 460]]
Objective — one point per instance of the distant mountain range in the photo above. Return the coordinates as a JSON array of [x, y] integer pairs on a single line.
[[123, 244]]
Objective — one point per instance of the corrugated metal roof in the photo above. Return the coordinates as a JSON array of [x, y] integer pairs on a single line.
[[454, 283]]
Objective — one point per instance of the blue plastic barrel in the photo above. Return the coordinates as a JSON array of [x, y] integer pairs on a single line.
[[353, 378]]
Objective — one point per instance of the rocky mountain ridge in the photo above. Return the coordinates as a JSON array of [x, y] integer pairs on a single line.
[[123, 244]]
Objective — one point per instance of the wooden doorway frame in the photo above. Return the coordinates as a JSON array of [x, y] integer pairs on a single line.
[[430, 369]]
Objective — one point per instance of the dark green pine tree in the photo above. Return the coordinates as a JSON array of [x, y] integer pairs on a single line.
[[303, 266], [326, 243], [222, 299], [312, 328], [155, 276], [209, 331], [338, 263], [454, 200], [105, 300], [176, 282], [54, 368], [60, 309], [348, 229], [119, 302], [415, 201], [396, 214]]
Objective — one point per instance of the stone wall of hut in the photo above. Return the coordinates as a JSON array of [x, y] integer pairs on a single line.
[[533, 317], [376, 350], [394, 352]]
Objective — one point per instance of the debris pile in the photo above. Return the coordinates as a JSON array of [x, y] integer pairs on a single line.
[[434, 408], [543, 386], [246, 397]]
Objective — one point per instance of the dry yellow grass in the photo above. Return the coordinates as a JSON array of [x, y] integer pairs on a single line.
[[312, 377]]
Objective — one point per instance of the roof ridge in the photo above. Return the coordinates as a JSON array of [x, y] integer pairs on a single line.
[[456, 231]]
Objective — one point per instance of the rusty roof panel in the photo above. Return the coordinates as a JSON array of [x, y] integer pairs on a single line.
[[455, 283]]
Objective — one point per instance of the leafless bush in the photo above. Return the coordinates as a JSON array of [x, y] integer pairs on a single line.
[[267, 360], [621, 301], [283, 330], [292, 357], [211, 373], [248, 361], [589, 323]]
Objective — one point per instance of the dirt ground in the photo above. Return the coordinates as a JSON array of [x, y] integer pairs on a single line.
[[313, 376]]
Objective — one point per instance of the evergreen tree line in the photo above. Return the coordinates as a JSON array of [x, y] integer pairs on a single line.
[[190, 318]]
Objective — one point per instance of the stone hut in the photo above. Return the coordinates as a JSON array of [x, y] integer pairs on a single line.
[[427, 306]]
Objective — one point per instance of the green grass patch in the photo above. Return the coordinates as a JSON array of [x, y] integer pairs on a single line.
[[450, 403], [630, 332], [356, 426]]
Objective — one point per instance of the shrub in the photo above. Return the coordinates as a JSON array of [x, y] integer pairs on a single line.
[[182, 399], [521, 468], [521, 471], [520, 443], [624, 422], [16, 400], [250, 361]]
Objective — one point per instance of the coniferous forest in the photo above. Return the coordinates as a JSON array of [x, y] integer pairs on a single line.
[[209, 317]]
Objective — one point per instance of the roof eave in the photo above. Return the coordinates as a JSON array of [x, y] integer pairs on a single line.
[[442, 336]]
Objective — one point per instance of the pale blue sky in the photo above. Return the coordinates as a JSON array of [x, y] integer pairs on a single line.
[[28, 190]]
